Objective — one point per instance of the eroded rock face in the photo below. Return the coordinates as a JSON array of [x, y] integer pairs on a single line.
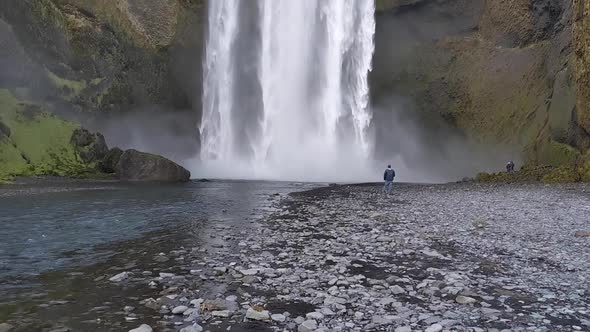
[[501, 72], [91, 147], [581, 38], [138, 166], [110, 161], [155, 20], [105, 55], [520, 22], [4, 130]]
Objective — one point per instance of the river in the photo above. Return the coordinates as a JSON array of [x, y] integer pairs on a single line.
[[58, 237]]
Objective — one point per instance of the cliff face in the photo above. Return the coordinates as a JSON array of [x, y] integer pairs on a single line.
[[581, 37], [510, 72], [109, 55], [502, 72]]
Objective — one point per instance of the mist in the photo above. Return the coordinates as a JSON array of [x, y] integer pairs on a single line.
[[422, 147], [420, 143]]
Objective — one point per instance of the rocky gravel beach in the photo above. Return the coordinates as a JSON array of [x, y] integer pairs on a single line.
[[455, 257]]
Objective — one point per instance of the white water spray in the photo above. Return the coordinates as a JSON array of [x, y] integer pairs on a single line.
[[285, 93]]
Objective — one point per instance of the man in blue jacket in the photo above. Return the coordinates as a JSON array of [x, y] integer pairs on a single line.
[[388, 177]]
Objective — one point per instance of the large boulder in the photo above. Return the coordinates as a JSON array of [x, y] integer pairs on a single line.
[[4, 130], [139, 166], [109, 163], [91, 147]]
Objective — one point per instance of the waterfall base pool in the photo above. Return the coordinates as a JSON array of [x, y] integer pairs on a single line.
[[59, 237]]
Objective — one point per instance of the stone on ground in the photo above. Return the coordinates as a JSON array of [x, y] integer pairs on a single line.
[[142, 328]]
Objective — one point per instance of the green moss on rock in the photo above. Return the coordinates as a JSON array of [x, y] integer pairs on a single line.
[[526, 174], [11, 161], [40, 142], [553, 153], [69, 88], [563, 174]]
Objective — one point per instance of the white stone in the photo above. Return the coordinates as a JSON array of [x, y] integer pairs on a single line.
[[197, 302], [403, 329], [308, 326], [333, 299], [249, 272], [220, 269], [190, 311], [143, 328], [220, 313], [314, 315], [396, 290], [327, 312], [278, 317], [465, 299], [166, 275], [257, 315], [434, 328], [119, 277], [179, 310], [192, 328]]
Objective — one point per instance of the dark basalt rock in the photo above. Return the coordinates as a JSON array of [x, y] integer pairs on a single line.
[[4, 130], [91, 147], [109, 163], [139, 166]]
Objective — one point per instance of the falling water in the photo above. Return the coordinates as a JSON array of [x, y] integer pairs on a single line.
[[285, 89]]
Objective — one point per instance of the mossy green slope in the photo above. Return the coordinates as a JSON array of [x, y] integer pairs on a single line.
[[39, 142]]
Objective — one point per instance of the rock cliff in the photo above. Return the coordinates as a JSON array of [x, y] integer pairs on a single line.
[[508, 72]]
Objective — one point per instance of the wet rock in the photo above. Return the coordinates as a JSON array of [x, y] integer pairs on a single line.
[[142, 328], [161, 258], [396, 290], [150, 303], [249, 272], [465, 299], [253, 314], [403, 329], [278, 318], [216, 304], [220, 313], [5, 327], [434, 328], [307, 326], [192, 328], [109, 163], [139, 166], [179, 310], [250, 279], [314, 316], [119, 277], [92, 148], [61, 329]]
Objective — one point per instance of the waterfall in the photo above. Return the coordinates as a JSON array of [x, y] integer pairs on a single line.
[[286, 90]]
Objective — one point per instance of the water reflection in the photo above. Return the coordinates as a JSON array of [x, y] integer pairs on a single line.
[[54, 230]]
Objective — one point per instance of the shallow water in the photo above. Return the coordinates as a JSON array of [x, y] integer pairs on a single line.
[[51, 228]]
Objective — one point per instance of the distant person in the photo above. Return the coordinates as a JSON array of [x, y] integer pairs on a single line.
[[510, 167], [388, 177]]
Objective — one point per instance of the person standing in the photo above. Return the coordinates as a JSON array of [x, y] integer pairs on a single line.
[[510, 167], [388, 177]]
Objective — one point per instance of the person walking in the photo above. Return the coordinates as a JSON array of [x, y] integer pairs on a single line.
[[388, 177]]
